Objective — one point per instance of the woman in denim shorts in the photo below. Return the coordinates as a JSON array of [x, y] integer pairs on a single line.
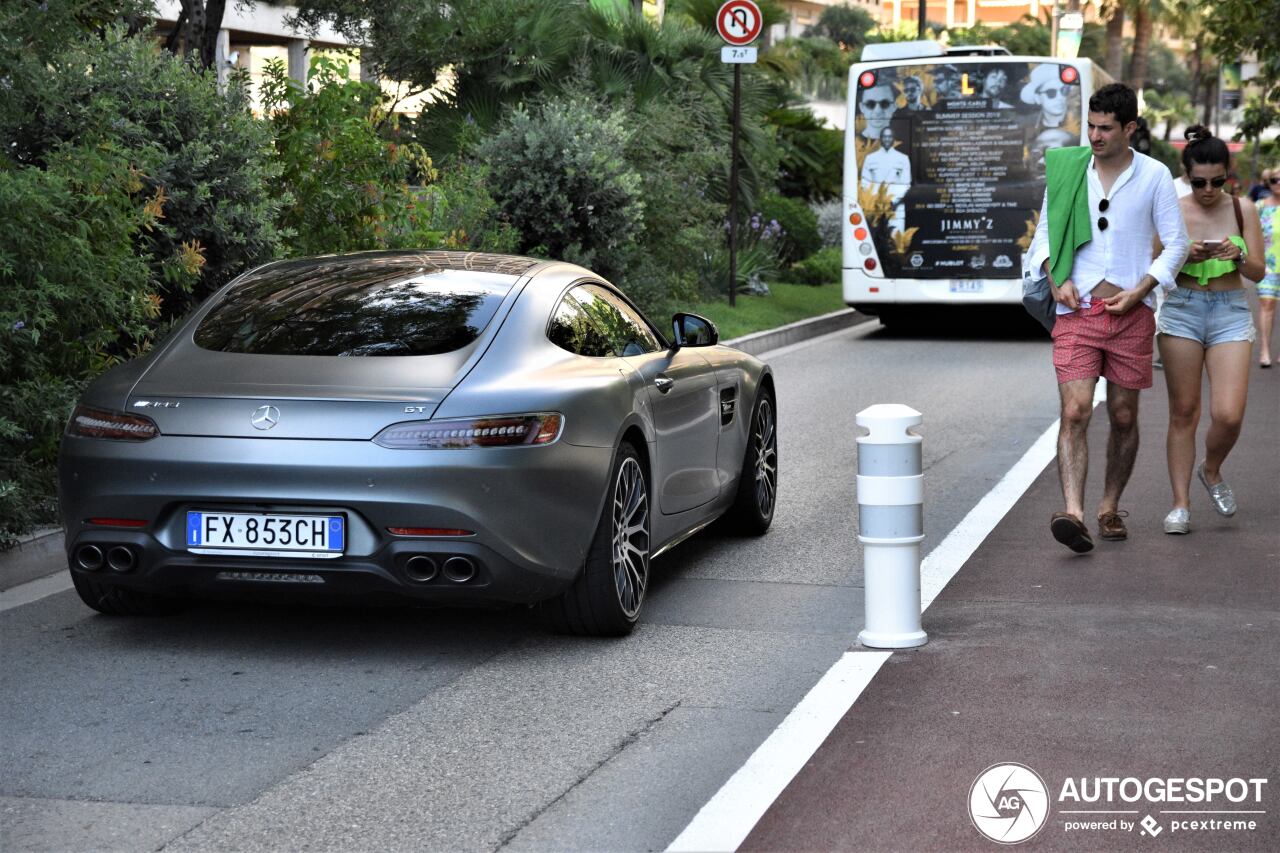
[[1205, 325]]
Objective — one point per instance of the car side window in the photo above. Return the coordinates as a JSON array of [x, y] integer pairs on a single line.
[[627, 330], [572, 328]]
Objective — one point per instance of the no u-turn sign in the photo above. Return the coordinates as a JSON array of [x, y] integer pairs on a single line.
[[739, 22]]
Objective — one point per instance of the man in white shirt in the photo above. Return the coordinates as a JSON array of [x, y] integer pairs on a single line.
[[1105, 323], [891, 167]]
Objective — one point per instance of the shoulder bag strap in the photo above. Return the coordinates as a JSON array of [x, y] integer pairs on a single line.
[[1235, 202]]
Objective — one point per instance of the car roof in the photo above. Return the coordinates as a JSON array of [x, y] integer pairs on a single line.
[[428, 261]]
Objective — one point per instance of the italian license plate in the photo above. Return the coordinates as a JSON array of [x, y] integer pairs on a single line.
[[966, 287], [266, 535]]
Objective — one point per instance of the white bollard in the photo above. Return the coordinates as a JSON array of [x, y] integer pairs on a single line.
[[891, 525]]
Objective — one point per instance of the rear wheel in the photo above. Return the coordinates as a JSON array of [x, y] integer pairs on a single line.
[[606, 598], [752, 510], [117, 601]]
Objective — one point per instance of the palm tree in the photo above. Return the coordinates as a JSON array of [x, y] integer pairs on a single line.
[[1113, 10], [1172, 108]]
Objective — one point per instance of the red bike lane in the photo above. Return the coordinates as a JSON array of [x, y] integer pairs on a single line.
[[1151, 662]]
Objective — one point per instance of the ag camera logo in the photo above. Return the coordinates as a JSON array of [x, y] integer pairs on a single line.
[[1008, 803]]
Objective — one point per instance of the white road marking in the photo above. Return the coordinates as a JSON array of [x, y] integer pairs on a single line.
[[35, 590], [728, 817], [725, 821]]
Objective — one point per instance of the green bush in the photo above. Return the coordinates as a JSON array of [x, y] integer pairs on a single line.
[[676, 158], [349, 186], [131, 188], [822, 267], [1167, 154], [459, 206], [76, 296], [203, 158], [800, 237], [558, 173], [831, 222]]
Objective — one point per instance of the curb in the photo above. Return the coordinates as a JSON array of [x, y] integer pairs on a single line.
[[36, 555], [41, 553], [801, 330]]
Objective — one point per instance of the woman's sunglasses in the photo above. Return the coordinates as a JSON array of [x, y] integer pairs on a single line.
[[1198, 183], [1274, 181]]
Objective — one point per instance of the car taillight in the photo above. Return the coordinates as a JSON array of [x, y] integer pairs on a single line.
[[89, 422], [504, 431]]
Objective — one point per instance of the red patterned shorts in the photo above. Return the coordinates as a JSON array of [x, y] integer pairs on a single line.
[[1092, 343]]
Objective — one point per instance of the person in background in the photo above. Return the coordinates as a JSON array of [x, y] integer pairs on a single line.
[[1262, 188], [1206, 325], [1269, 286]]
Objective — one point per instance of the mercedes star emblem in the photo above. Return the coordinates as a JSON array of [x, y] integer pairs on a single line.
[[265, 417]]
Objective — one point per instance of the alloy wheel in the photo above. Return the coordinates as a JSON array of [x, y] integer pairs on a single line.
[[630, 537], [764, 439]]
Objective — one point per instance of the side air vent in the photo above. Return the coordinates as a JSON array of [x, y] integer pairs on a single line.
[[728, 405]]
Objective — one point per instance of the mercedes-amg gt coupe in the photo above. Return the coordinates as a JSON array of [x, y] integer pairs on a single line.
[[451, 427]]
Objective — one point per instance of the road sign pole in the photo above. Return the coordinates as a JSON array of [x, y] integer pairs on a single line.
[[733, 186], [739, 23]]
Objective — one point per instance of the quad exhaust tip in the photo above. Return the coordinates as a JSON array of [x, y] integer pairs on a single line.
[[421, 569], [121, 559], [89, 557], [459, 569]]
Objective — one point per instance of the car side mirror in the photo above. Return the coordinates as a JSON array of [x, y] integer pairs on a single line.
[[692, 330]]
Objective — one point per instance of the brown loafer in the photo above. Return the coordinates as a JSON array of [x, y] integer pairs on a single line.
[[1070, 531], [1111, 526]]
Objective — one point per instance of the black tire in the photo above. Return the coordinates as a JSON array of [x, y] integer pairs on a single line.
[[752, 510], [118, 601], [606, 598]]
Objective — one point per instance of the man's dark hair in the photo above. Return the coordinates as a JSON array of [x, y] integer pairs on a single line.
[[1117, 99]]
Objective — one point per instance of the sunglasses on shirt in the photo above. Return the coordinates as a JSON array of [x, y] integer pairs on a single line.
[[1199, 183], [1102, 208]]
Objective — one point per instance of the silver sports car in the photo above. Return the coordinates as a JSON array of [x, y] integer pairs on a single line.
[[451, 427]]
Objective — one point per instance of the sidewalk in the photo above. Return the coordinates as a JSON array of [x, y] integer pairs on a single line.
[[1152, 658]]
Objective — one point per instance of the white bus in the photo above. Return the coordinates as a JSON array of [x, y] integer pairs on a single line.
[[944, 170]]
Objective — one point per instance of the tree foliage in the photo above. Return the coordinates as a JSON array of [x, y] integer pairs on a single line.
[[348, 186], [76, 296], [1239, 28], [847, 26], [202, 155], [559, 174]]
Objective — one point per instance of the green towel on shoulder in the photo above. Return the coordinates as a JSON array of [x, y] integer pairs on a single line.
[[1069, 226]]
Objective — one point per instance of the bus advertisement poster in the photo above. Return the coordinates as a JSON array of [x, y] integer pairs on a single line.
[[951, 162]]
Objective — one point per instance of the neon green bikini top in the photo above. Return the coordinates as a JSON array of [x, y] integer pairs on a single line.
[[1211, 268]]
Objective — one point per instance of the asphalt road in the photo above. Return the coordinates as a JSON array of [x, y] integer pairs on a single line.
[[239, 727]]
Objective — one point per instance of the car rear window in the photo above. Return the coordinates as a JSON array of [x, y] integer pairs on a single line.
[[370, 310]]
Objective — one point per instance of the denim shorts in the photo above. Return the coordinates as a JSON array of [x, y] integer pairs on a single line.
[[1206, 316]]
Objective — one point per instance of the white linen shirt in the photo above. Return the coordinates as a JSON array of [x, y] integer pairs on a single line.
[[1143, 204]]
